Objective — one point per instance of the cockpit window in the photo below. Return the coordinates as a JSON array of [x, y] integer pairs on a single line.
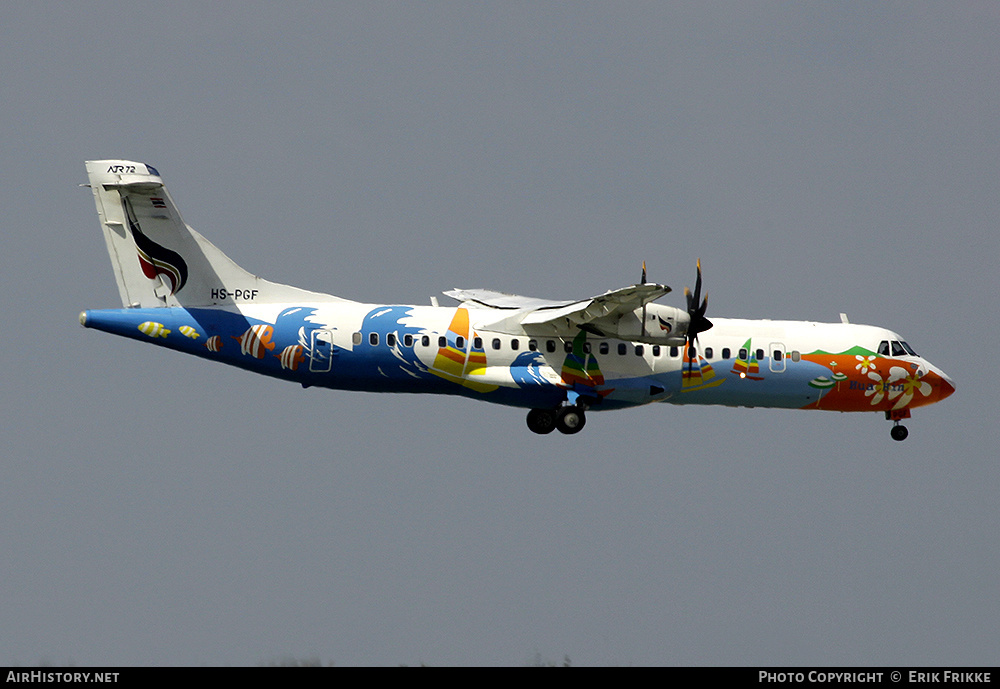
[[896, 348]]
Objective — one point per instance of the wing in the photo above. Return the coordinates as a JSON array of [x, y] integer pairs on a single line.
[[601, 314], [607, 306]]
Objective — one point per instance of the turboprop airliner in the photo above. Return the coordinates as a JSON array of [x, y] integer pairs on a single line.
[[557, 359]]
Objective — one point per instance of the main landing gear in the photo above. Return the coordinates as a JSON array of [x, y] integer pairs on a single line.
[[569, 419]]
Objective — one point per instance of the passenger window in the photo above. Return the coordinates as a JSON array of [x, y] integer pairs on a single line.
[[356, 338], [603, 348], [477, 343], [533, 345], [708, 352], [515, 345], [776, 355], [407, 340], [760, 354], [425, 340], [639, 349], [460, 342], [568, 346], [656, 350], [390, 339], [796, 355], [586, 348], [622, 348], [550, 346], [373, 339], [725, 352], [496, 343], [883, 348], [744, 354], [442, 341], [674, 352]]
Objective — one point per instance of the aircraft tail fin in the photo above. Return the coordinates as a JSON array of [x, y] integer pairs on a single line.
[[161, 261]]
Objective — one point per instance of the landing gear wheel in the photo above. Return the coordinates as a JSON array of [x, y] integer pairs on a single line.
[[541, 421], [899, 432], [570, 420]]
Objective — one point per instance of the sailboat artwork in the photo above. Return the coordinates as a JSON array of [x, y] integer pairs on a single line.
[[582, 372], [746, 365], [457, 359], [697, 373]]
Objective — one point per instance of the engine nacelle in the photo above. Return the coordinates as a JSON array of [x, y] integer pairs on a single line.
[[654, 324]]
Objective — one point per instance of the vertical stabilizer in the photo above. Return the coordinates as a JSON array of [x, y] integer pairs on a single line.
[[160, 261]]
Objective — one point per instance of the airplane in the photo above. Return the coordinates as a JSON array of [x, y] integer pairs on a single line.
[[558, 359]]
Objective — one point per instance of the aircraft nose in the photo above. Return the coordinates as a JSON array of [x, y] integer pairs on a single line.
[[947, 386]]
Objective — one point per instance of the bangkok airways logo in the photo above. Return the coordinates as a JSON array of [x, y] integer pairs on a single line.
[[155, 259]]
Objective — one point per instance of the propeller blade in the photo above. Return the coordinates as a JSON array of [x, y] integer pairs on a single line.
[[697, 284], [697, 307]]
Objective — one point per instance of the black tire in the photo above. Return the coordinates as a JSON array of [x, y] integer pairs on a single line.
[[570, 420], [899, 432], [541, 421]]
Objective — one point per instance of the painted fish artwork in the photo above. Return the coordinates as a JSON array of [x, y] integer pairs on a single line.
[[188, 331], [214, 343], [153, 329], [256, 341], [291, 357]]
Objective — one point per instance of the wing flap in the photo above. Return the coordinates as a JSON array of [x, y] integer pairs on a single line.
[[502, 300]]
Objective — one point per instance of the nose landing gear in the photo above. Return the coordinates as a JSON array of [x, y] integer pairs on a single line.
[[896, 415], [899, 432]]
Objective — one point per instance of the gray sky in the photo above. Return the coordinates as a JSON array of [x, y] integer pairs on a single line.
[[818, 158]]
